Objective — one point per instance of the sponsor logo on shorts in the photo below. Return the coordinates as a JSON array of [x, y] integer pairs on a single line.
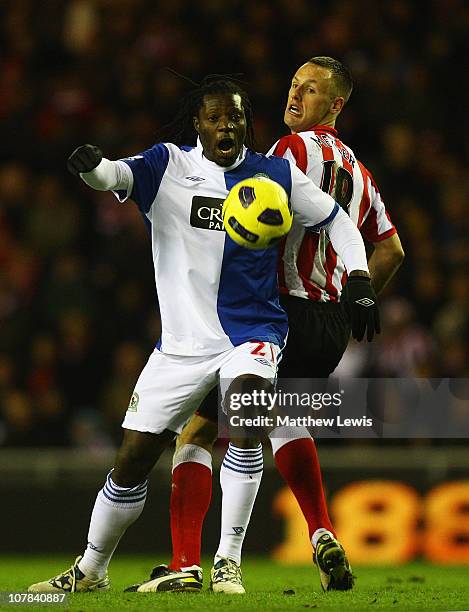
[[133, 402]]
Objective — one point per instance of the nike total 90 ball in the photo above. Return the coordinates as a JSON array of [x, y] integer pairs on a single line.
[[257, 213]]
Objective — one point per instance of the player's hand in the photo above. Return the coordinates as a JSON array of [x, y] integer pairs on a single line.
[[84, 159], [361, 304]]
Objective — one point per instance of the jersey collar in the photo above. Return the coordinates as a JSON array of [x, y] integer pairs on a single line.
[[210, 164], [323, 128]]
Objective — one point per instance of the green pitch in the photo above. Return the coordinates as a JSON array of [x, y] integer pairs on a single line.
[[270, 587]]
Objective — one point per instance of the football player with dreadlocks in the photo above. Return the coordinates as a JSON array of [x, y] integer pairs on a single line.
[[218, 301]]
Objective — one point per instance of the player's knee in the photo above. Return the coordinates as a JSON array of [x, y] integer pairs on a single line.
[[204, 439], [248, 383], [245, 442], [200, 432], [252, 393], [137, 456], [132, 466]]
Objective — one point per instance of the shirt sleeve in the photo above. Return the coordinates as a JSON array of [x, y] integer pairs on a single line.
[[377, 224], [148, 169], [312, 207], [109, 175], [293, 148], [347, 242]]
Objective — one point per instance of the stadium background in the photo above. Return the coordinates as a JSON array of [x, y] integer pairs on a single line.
[[77, 297]]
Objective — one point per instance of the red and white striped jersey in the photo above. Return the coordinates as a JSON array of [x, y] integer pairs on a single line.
[[308, 266]]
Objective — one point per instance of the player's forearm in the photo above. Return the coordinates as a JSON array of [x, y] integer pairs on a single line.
[[385, 261], [109, 175], [347, 242]]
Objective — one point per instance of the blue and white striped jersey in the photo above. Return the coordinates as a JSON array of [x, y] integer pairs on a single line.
[[213, 294]]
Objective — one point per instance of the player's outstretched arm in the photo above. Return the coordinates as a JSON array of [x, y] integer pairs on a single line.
[[358, 296], [384, 262], [87, 161]]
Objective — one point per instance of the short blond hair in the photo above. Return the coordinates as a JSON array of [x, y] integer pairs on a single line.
[[341, 76]]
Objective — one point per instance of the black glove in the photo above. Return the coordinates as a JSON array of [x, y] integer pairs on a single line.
[[84, 159], [361, 305]]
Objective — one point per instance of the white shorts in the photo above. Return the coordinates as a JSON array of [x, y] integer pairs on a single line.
[[171, 387]]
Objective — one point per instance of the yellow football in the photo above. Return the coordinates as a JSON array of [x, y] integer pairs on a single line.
[[257, 213]]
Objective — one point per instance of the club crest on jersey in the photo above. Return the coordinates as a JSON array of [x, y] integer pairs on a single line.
[[206, 213], [133, 402]]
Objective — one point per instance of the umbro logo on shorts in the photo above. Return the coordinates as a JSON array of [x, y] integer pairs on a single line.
[[238, 530], [206, 213], [365, 302], [263, 361]]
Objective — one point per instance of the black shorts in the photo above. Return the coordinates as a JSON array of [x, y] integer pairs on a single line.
[[317, 338], [209, 406]]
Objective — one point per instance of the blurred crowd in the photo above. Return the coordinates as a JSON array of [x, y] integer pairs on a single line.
[[78, 310]]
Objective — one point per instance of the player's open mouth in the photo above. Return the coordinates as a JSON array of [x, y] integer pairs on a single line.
[[294, 110], [226, 145]]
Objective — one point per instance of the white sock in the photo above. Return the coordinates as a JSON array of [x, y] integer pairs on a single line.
[[240, 477], [192, 453], [318, 533], [115, 509], [285, 434]]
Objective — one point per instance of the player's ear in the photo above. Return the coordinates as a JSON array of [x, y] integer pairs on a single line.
[[196, 124], [337, 105]]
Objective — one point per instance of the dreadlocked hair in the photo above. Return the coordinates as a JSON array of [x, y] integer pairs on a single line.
[[181, 130]]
